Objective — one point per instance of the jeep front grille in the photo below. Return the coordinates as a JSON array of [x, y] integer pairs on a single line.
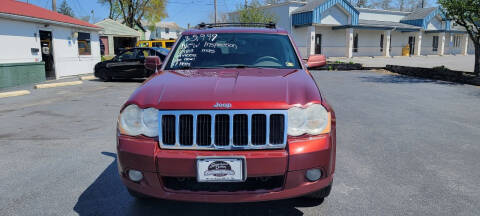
[[223, 129]]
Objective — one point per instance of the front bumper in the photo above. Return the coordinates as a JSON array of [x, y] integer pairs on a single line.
[[300, 155]]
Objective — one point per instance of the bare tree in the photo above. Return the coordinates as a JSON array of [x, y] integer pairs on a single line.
[[385, 4], [360, 3], [402, 5]]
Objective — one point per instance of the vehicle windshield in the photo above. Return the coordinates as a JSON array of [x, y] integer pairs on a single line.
[[233, 50]]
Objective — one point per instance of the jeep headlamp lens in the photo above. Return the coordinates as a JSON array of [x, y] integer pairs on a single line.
[[135, 121], [150, 120], [312, 120], [296, 120]]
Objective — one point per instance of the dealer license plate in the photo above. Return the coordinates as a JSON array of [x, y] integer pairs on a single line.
[[220, 169]]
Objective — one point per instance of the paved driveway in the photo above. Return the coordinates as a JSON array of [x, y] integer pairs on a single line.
[[458, 62], [405, 147]]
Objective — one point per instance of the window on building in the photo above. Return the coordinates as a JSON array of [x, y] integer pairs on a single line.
[[84, 47], [457, 41], [167, 30], [435, 44], [381, 42], [355, 42]]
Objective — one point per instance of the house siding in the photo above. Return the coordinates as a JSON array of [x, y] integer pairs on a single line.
[[17, 38], [333, 42]]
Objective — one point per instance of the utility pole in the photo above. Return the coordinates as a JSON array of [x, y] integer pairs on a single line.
[[54, 5], [215, 6], [423, 3]]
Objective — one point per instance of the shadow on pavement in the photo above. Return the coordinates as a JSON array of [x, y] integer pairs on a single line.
[[400, 79], [107, 196]]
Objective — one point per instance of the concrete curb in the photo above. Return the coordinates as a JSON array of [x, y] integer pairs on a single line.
[[14, 93], [52, 85], [87, 78]]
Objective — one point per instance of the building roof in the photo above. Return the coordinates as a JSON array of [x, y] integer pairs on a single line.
[[380, 25], [112, 27], [22, 9], [376, 10], [310, 6], [376, 23], [419, 13], [170, 25]]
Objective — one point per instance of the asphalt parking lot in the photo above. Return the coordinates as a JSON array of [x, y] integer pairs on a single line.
[[406, 146]]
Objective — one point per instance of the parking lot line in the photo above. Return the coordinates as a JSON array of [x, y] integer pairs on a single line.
[[52, 85], [14, 93], [87, 78]]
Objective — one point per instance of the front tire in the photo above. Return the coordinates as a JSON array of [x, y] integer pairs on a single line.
[[104, 75], [320, 194]]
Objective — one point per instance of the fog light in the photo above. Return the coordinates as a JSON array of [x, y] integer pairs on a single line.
[[313, 174], [135, 175]]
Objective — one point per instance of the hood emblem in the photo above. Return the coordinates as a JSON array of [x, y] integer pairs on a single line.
[[222, 105]]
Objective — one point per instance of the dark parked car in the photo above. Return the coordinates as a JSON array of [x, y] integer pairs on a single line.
[[129, 64]]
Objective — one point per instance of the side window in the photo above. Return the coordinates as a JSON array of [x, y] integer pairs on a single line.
[[169, 44], [142, 53], [154, 53], [127, 55], [84, 44], [157, 44]]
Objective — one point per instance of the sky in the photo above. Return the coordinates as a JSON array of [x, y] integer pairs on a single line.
[[182, 12]]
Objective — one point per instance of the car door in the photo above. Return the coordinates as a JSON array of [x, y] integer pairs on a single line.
[[124, 65], [140, 68]]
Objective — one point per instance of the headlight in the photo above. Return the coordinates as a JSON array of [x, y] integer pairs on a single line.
[[313, 120], [150, 120], [135, 121]]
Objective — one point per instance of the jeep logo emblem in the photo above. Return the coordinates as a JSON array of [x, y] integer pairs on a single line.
[[222, 105]]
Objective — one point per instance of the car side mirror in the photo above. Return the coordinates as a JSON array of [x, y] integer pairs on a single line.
[[315, 61], [152, 63]]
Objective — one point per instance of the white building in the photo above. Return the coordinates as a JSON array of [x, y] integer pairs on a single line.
[[165, 30], [116, 36], [337, 29], [38, 43]]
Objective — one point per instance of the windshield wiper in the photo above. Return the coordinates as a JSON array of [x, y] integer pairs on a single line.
[[239, 66], [193, 68]]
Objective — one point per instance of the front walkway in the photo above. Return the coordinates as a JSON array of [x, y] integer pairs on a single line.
[[459, 63]]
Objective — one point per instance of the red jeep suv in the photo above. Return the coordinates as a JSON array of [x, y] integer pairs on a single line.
[[232, 115]]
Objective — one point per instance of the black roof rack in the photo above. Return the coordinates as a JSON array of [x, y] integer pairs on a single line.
[[202, 25]]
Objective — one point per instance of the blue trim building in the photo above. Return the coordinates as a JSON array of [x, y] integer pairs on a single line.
[[337, 28]]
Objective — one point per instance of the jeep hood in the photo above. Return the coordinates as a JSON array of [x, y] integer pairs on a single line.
[[249, 88]]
